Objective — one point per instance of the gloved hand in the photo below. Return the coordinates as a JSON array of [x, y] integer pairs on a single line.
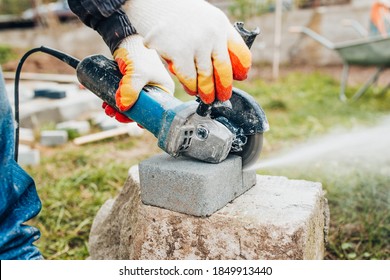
[[139, 66], [111, 112], [197, 40]]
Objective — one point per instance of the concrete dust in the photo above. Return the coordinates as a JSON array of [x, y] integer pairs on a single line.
[[367, 147]]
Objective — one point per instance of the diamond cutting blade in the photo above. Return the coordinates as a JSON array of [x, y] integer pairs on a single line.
[[244, 117], [252, 149]]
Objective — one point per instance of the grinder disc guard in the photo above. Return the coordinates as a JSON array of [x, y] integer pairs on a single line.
[[247, 120]]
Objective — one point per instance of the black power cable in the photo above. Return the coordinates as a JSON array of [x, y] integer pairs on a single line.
[[73, 62]]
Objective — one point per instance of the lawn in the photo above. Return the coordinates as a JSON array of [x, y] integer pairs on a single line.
[[73, 182]]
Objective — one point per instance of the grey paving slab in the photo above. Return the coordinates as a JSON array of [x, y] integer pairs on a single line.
[[190, 186]]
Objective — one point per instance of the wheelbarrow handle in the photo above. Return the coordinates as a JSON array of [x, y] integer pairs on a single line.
[[355, 25], [307, 31]]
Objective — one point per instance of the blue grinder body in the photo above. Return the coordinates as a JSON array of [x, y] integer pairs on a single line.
[[149, 109], [156, 110]]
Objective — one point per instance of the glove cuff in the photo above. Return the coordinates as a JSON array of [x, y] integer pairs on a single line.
[[133, 44], [137, 9], [113, 33]]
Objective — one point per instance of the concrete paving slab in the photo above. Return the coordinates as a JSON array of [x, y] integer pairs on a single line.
[[28, 156], [49, 93], [39, 111], [53, 138], [82, 127], [190, 186], [26, 135]]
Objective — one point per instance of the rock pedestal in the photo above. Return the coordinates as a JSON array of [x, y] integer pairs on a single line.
[[276, 219]]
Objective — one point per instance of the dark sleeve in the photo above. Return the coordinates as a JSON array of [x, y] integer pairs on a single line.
[[106, 17]]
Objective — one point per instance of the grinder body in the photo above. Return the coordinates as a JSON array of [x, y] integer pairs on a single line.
[[179, 130]]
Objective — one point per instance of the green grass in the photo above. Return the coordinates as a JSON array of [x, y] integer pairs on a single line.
[[73, 182], [6, 54], [360, 212]]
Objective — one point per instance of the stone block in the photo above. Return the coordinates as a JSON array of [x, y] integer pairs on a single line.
[[190, 186], [276, 219], [49, 93], [104, 122], [53, 138], [77, 104], [81, 127], [134, 130], [28, 156], [26, 135], [109, 123]]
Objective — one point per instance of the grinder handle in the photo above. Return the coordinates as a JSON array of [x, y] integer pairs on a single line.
[[102, 76], [248, 36]]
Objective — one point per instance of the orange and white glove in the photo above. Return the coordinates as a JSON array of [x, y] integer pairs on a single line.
[[139, 66], [200, 45], [113, 113]]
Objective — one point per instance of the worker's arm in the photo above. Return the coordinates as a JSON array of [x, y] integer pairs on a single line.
[[106, 17], [379, 17], [139, 65]]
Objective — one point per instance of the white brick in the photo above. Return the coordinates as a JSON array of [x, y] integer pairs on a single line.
[[53, 138]]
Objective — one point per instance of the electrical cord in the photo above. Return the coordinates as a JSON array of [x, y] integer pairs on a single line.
[[73, 62]]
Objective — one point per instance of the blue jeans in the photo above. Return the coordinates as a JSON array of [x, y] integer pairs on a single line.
[[19, 201]]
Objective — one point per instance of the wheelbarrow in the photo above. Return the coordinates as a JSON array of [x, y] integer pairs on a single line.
[[367, 51]]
